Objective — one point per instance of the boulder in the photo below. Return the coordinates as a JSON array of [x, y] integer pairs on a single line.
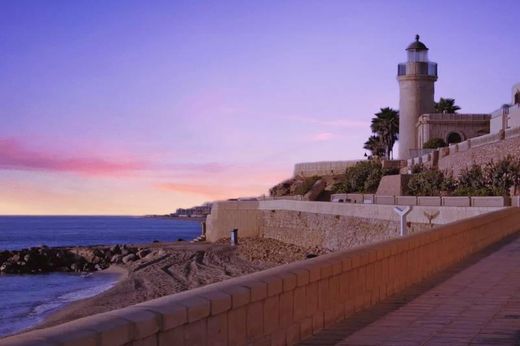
[[129, 258]]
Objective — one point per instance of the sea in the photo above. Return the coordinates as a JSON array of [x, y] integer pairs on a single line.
[[25, 300]]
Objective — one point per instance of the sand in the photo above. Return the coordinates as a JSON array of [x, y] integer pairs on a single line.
[[180, 266]]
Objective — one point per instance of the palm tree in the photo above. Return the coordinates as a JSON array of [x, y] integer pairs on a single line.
[[385, 125], [375, 146], [446, 105]]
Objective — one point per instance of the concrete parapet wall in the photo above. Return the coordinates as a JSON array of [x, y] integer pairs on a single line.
[[429, 201], [309, 169], [287, 304]]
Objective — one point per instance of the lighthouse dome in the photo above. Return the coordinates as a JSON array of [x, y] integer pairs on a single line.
[[417, 45]]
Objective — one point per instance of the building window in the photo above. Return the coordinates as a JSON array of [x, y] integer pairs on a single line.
[[517, 98], [453, 137]]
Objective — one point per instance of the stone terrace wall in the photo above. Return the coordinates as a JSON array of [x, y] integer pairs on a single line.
[[284, 305], [333, 232], [480, 155], [324, 224], [309, 169], [477, 150]]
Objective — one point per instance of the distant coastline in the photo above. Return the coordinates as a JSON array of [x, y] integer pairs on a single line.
[[184, 218]]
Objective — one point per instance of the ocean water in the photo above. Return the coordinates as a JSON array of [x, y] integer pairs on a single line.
[[25, 300]]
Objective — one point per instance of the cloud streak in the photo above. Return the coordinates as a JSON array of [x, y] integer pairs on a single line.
[[14, 155], [208, 191]]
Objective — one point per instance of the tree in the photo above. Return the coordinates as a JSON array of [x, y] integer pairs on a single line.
[[434, 143], [446, 105], [385, 125], [375, 146]]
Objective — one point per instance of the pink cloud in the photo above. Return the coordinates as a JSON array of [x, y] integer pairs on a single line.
[[209, 191], [347, 123], [16, 156], [322, 136]]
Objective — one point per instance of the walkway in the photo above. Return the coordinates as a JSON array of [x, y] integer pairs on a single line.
[[476, 303]]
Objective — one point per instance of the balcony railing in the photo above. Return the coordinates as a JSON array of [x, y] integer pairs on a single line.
[[417, 68]]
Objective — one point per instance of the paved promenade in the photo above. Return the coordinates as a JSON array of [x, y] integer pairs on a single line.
[[477, 303]]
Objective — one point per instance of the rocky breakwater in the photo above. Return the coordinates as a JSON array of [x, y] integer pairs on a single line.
[[45, 259]]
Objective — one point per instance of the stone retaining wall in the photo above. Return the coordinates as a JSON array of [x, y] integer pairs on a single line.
[[310, 169], [324, 224], [284, 305]]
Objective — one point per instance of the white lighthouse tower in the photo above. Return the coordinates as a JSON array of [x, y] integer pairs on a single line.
[[416, 91]]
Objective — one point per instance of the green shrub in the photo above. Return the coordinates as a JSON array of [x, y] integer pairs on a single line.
[[435, 143], [429, 182], [363, 177]]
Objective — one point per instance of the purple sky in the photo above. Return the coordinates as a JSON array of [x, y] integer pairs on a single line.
[[131, 107]]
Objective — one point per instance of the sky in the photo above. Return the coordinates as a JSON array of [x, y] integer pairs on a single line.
[[138, 107]]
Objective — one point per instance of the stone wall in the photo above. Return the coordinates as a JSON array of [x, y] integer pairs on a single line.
[[456, 161], [324, 224], [310, 169], [334, 232], [286, 304]]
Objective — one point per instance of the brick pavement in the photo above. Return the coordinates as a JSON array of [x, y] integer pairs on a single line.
[[475, 303]]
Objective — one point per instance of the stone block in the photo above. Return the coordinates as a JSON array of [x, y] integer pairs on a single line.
[[240, 295], [299, 303], [255, 319], [388, 200], [406, 200], [286, 309], [311, 298], [219, 301], [195, 333], [274, 284], [490, 201], [257, 289], [237, 326], [271, 314], [197, 308], [173, 315], [456, 201], [428, 201], [302, 277], [173, 336], [218, 329], [145, 322]]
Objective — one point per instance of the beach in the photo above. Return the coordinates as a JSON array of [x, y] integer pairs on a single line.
[[178, 266]]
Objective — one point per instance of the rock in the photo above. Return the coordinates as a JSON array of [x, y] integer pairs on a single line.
[[116, 259], [124, 252], [315, 190], [143, 253], [129, 258]]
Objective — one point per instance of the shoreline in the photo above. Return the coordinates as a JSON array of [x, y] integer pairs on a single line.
[[177, 267]]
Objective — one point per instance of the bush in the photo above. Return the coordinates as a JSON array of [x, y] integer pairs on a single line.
[[429, 182], [363, 177], [492, 179], [435, 143]]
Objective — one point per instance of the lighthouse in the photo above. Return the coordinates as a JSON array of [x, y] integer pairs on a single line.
[[416, 78]]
